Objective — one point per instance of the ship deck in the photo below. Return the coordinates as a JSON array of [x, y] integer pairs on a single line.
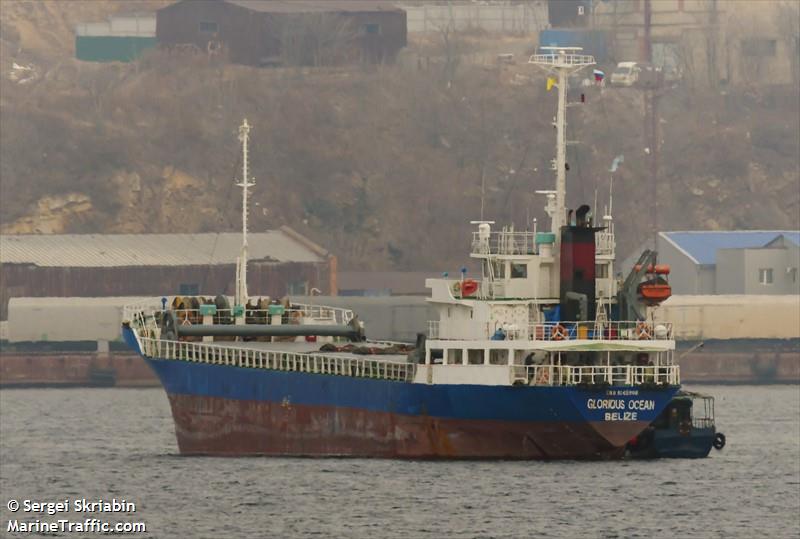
[[315, 348]]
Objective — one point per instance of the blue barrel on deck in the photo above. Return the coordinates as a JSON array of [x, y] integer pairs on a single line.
[[594, 42]]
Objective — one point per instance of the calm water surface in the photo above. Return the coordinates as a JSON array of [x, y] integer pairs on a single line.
[[106, 443]]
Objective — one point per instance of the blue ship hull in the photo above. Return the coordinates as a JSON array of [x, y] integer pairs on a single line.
[[228, 410]]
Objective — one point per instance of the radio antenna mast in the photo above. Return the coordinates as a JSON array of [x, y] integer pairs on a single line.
[[241, 296], [561, 62]]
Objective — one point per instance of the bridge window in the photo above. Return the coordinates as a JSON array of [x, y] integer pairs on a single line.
[[475, 357], [519, 270], [498, 357], [454, 357]]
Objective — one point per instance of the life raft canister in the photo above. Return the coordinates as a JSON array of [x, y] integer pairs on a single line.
[[465, 288], [469, 287]]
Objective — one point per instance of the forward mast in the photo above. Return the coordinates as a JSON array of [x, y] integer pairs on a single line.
[[240, 296]]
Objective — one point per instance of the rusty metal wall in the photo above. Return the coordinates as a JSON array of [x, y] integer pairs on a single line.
[[240, 29], [251, 36], [264, 278]]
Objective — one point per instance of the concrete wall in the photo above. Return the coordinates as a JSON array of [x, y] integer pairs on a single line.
[[527, 18], [67, 319], [685, 275], [778, 260], [395, 318], [733, 317], [706, 280], [730, 271]]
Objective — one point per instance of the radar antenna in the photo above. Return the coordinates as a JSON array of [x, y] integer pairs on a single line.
[[561, 62]]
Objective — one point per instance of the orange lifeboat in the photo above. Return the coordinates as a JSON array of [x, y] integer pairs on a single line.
[[658, 269], [655, 291], [662, 269]]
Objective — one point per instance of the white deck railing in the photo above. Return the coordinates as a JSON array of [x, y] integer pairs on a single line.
[[133, 311], [516, 243], [569, 331], [338, 315], [562, 59], [318, 313], [604, 243], [568, 375], [504, 243], [142, 316], [383, 369], [398, 371], [625, 330]]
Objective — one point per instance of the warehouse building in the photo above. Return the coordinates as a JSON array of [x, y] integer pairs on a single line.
[[121, 38], [280, 262], [729, 262], [293, 32]]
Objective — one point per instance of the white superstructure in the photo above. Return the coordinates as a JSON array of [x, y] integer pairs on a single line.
[[510, 315]]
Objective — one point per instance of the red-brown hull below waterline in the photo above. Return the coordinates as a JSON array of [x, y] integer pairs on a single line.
[[226, 427]]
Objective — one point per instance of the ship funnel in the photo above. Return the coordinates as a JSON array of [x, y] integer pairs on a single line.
[[581, 216]]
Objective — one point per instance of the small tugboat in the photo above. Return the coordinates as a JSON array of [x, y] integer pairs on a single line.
[[685, 429]]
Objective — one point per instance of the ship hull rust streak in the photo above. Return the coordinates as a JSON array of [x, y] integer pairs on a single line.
[[241, 411], [210, 426]]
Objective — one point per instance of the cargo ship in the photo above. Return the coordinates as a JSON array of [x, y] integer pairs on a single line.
[[542, 356]]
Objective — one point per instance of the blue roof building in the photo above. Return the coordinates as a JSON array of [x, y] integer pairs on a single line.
[[730, 262]]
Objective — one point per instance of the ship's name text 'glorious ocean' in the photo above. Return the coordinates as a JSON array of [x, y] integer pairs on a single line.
[[619, 404]]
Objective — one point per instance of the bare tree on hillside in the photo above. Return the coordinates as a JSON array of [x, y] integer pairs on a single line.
[[451, 50], [684, 54]]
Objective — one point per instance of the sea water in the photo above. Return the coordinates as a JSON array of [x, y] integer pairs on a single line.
[[98, 446]]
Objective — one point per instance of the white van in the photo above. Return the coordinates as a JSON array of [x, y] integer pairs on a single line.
[[625, 74]]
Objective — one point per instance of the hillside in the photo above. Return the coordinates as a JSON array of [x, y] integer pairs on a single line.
[[382, 165]]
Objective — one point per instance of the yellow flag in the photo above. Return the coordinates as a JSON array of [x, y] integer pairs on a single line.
[[550, 83]]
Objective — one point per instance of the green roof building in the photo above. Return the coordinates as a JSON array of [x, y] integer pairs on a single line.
[[119, 39]]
